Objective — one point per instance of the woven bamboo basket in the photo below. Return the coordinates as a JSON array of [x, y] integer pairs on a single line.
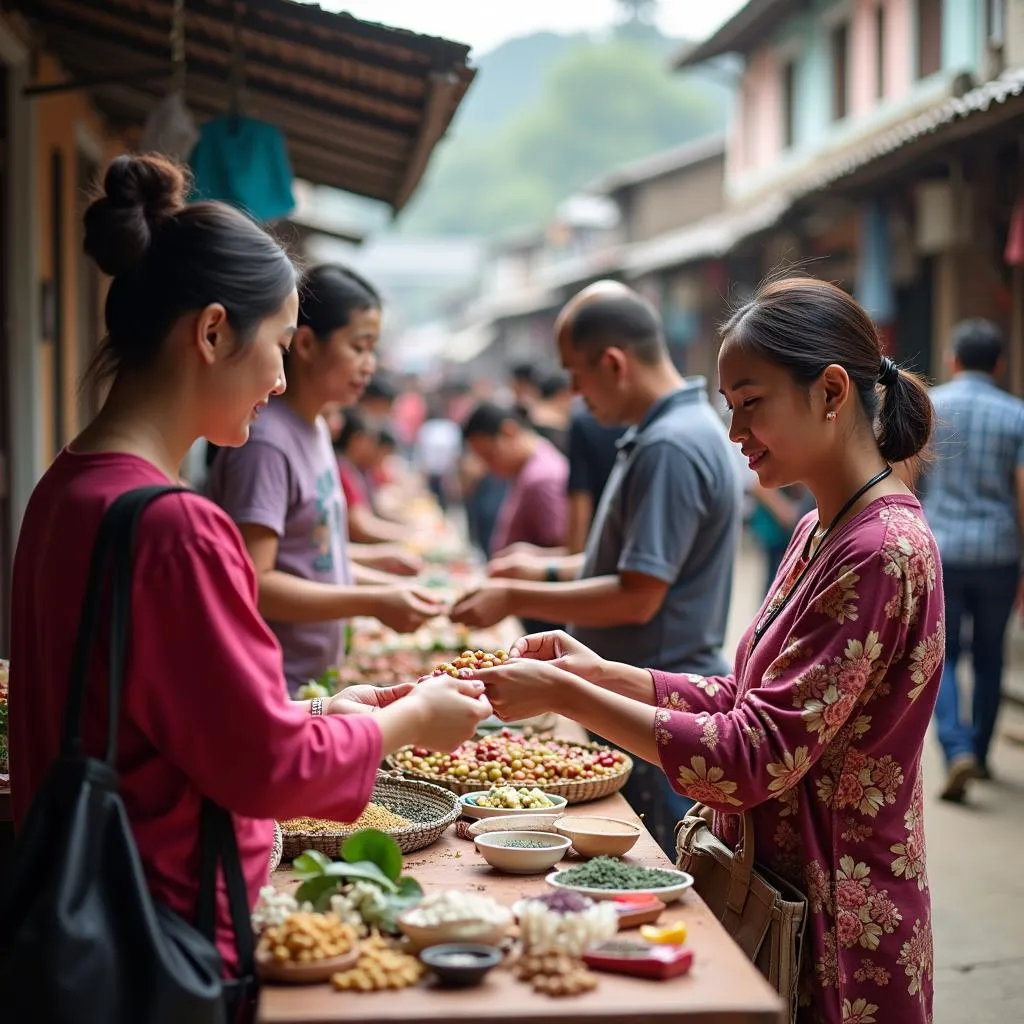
[[429, 808], [575, 792]]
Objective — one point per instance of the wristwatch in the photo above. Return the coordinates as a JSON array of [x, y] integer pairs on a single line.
[[316, 706]]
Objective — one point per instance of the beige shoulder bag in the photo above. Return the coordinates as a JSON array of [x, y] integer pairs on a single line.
[[763, 913]]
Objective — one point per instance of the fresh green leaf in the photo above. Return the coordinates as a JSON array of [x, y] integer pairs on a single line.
[[373, 845], [365, 870], [318, 891], [409, 887], [311, 863]]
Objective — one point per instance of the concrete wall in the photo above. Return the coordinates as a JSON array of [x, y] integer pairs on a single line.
[[675, 200], [68, 126], [757, 161]]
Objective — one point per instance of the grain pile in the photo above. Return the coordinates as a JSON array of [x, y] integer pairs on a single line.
[[375, 816]]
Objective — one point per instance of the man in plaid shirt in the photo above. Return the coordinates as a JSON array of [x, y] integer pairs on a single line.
[[973, 496]]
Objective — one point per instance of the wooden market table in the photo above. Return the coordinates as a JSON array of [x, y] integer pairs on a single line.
[[723, 987]]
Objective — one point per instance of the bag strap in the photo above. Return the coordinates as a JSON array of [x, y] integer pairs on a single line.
[[116, 534], [741, 868], [219, 844], [115, 542]]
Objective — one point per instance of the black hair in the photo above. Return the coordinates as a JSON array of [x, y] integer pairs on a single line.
[[381, 387], [627, 321], [354, 425], [978, 345], [487, 419], [554, 383], [805, 325], [524, 373], [168, 258], [387, 438], [329, 294]]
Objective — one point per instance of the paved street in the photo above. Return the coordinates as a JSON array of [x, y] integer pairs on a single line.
[[975, 858]]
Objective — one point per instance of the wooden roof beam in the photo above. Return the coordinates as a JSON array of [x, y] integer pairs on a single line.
[[432, 127], [260, 72]]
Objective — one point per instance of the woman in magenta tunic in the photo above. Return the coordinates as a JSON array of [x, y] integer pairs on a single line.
[[819, 731]]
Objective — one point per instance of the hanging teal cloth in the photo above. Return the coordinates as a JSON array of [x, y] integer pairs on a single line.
[[875, 290], [244, 162]]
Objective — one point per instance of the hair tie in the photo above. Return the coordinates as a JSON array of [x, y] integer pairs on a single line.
[[888, 373]]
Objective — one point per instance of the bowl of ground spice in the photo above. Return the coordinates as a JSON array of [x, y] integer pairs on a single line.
[[522, 853], [608, 878]]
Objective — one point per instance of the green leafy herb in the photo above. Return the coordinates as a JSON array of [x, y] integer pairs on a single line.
[[382, 850], [367, 856]]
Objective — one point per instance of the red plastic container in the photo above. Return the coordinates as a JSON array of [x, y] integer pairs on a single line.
[[640, 959]]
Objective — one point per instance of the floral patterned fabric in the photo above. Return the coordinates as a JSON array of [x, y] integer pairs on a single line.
[[819, 734]]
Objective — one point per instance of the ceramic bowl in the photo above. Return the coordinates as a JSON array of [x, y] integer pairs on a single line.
[[478, 933], [502, 851], [303, 974], [667, 894], [461, 964], [471, 810], [598, 837]]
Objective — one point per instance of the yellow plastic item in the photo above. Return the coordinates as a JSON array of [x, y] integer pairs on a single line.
[[670, 935]]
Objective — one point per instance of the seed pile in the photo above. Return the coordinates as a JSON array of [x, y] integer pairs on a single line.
[[555, 974], [512, 799], [379, 967], [563, 901], [609, 873], [526, 844], [470, 659], [307, 937], [375, 816]]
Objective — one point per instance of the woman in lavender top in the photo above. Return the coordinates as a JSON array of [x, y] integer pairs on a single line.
[[282, 487]]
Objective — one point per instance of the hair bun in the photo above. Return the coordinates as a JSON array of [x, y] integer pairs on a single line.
[[139, 194]]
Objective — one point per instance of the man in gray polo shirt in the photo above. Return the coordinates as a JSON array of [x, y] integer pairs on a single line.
[[653, 586]]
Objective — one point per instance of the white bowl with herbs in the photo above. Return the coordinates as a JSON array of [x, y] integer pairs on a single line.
[[522, 853], [608, 878]]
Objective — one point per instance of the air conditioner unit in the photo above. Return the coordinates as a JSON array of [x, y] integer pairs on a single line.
[[943, 216], [1013, 34]]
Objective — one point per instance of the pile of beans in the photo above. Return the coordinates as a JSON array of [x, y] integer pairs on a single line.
[[470, 659], [555, 974], [305, 937], [379, 967], [375, 816]]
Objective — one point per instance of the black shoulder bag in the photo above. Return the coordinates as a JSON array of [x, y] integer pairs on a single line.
[[81, 939]]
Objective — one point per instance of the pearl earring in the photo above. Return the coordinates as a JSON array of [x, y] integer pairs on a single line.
[[831, 414]]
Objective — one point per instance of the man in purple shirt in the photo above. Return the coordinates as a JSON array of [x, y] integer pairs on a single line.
[[535, 509]]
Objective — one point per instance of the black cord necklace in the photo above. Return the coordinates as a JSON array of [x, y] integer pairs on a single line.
[[763, 626]]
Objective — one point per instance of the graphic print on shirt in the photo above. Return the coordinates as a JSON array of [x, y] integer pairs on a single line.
[[328, 522]]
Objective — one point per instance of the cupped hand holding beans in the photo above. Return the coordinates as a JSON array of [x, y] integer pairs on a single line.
[[363, 699], [522, 688]]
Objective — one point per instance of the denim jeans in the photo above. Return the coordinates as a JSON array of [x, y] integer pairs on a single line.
[[985, 596]]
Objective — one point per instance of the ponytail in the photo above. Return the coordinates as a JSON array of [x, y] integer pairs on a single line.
[[906, 416]]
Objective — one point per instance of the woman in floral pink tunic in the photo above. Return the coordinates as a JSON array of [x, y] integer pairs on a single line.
[[820, 730]]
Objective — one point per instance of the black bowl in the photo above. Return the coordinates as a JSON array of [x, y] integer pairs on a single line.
[[461, 963]]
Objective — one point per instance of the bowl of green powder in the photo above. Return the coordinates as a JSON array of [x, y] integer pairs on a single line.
[[522, 853], [607, 878]]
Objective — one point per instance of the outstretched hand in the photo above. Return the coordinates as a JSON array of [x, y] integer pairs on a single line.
[[562, 651]]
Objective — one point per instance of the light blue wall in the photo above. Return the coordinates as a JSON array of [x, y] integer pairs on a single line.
[[811, 36], [963, 23]]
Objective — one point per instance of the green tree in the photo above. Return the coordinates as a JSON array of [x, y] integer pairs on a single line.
[[601, 104]]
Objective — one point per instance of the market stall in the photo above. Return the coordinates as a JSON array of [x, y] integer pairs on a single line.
[[721, 986]]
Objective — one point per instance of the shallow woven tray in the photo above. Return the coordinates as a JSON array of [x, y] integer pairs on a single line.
[[576, 792], [430, 808]]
